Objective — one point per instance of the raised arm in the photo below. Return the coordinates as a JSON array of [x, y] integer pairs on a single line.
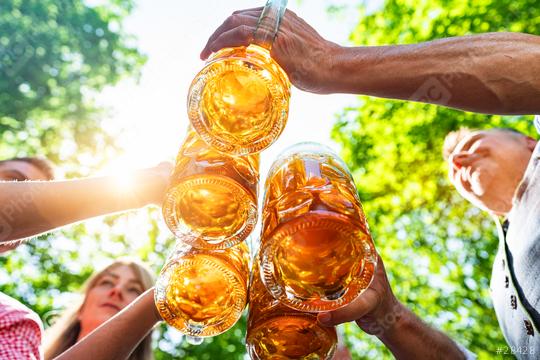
[[119, 336], [496, 73], [379, 313], [31, 208]]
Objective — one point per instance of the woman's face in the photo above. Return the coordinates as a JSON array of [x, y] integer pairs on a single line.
[[114, 290]]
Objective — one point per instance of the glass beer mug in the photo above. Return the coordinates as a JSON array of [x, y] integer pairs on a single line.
[[203, 293], [316, 250], [239, 101], [275, 331], [212, 200]]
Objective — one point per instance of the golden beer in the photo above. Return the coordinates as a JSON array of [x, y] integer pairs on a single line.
[[316, 249], [212, 200], [239, 101], [203, 293], [276, 331]]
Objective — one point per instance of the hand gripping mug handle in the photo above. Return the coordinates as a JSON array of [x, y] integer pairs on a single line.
[[268, 24]]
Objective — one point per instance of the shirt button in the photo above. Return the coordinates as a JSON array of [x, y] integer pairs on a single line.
[[503, 263], [529, 328], [513, 302], [506, 282]]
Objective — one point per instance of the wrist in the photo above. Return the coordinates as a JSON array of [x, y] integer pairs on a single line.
[[332, 74], [152, 187]]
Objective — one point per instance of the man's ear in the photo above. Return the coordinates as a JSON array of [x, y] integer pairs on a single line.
[[531, 143]]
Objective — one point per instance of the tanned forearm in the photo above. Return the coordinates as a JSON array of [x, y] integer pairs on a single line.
[[30, 208], [410, 338], [119, 336], [495, 73]]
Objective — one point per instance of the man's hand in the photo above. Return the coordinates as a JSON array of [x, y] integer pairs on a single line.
[[376, 310], [304, 55], [379, 313]]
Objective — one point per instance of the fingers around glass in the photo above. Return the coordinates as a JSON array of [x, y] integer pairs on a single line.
[[269, 22]]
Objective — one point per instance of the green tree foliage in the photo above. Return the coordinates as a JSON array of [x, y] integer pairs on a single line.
[[437, 249], [54, 55]]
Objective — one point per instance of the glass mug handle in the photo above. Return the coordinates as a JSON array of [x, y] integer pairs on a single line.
[[268, 24]]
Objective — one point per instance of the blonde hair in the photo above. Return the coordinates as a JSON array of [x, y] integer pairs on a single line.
[[65, 331]]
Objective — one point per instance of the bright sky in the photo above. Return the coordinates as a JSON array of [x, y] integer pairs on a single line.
[[172, 33]]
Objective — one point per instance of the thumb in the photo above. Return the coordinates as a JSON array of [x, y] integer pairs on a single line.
[[359, 307]]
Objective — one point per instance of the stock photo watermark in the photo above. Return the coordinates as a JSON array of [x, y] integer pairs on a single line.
[[433, 91], [379, 327], [516, 350], [437, 89], [10, 211]]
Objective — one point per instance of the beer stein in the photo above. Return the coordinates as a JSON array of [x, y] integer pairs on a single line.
[[239, 101], [275, 331], [201, 292], [316, 250], [212, 200]]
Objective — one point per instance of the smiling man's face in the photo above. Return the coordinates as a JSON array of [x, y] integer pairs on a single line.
[[487, 166]]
